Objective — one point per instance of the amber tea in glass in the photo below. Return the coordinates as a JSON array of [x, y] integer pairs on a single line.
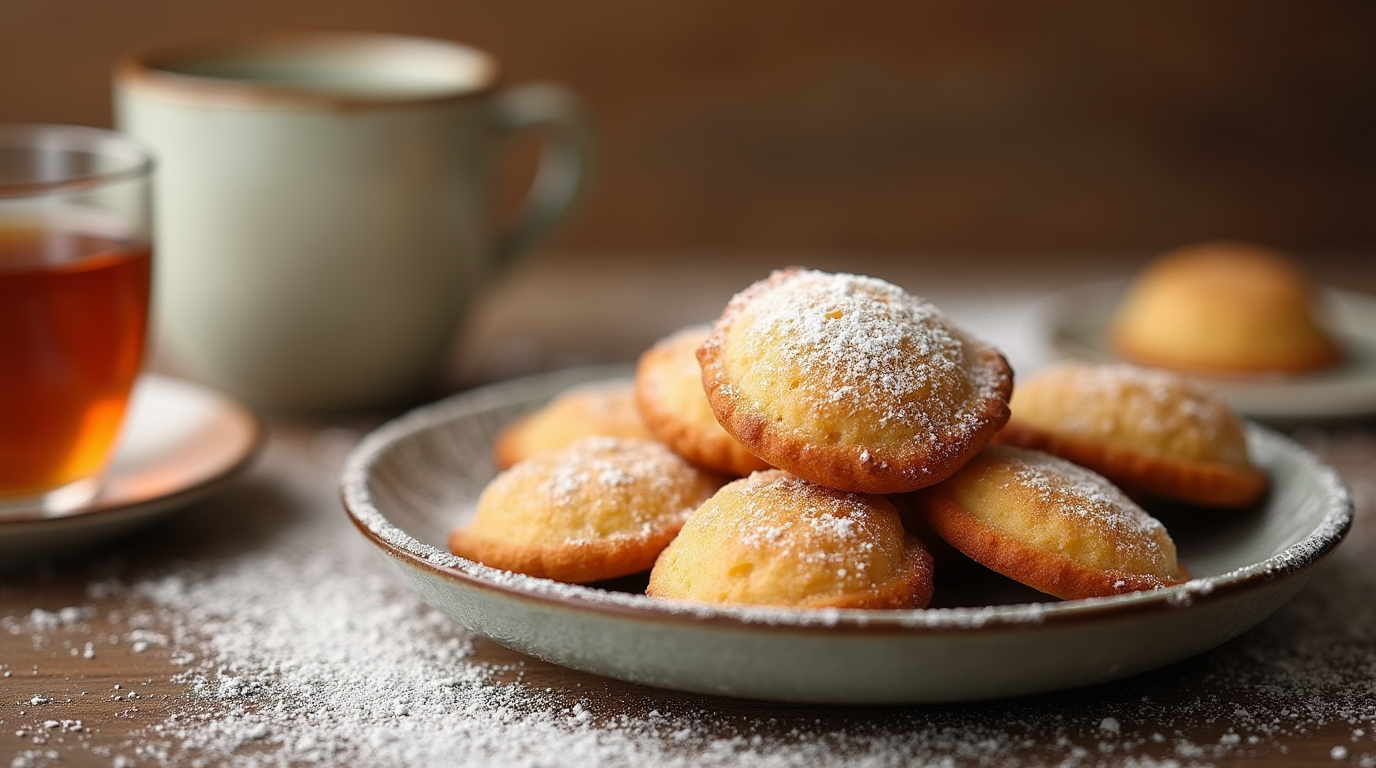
[[75, 269]]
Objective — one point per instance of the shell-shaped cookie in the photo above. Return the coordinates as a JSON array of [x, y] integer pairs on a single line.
[[599, 408], [598, 508], [668, 389], [851, 382], [1050, 524], [1223, 307], [1151, 432], [774, 539]]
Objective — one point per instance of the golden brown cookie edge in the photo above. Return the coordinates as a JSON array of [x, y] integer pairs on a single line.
[[1208, 484], [1047, 572], [720, 451]]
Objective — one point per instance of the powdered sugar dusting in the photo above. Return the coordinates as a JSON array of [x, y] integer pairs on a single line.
[[1109, 531], [1074, 490], [597, 489], [864, 351], [355, 481], [776, 513], [1160, 410], [300, 647]]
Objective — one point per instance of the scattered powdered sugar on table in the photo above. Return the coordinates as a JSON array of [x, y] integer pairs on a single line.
[[302, 648]]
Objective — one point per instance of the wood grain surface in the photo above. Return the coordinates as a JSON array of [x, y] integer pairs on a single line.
[[955, 126], [100, 683], [123, 694]]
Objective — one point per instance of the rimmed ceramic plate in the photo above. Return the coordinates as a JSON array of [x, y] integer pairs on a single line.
[[180, 442], [1075, 321], [409, 482]]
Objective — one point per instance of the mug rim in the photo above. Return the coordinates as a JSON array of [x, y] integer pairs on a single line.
[[151, 71]]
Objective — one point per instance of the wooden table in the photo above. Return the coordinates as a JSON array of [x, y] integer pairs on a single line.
[[245, 628]]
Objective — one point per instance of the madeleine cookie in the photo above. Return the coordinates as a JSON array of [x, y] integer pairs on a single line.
[[1050, 524], [596, 509], [1222, 307], [774, 539], [668, 390], [604, 408], [1151, 432], [851, 382]]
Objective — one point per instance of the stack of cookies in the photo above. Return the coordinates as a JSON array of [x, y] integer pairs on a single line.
[[788, 453]]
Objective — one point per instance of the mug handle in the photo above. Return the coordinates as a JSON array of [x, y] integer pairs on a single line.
[[565, 156]]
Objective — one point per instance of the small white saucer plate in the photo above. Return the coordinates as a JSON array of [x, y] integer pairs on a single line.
[[180, 442], [1074, 322], [412, 480]]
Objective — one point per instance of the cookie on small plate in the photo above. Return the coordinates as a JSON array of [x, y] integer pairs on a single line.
[[668, 390], [1222, 307], [1050, 524], [774, 539], [1152, 432], [851, 382], [596, 509]]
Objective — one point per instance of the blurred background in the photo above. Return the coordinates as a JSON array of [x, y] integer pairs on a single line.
[[903, 139], [895, 127]]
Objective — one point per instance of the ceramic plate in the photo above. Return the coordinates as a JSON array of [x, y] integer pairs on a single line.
[[1075, 320], [181, 441], [409, 482]]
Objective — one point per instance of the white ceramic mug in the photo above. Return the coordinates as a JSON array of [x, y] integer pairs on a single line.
[[324, 210]]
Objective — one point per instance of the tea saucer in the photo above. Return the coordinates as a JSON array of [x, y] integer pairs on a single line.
[[181, 442], [1074, 322]]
